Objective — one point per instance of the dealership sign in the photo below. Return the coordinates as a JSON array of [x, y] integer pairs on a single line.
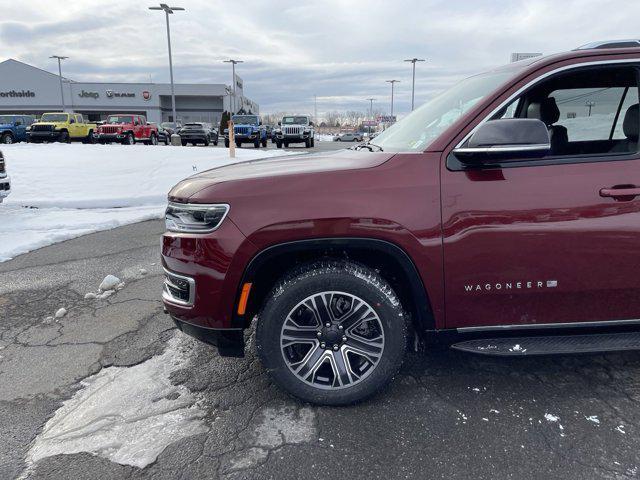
[[85, 94], [17, 93], [386, 118], [112, 94]]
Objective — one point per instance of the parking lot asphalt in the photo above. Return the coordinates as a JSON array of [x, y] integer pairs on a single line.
[[447, 414]]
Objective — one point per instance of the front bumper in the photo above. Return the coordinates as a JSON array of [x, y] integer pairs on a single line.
[[109, 137], [5, 187], [193, 137], [46, 136]]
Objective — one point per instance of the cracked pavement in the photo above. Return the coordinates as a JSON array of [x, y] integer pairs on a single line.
[[447, 415]]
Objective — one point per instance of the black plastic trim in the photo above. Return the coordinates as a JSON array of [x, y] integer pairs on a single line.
[[230, 342], [418, 291]]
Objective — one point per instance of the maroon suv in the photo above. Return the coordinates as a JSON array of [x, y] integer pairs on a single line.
[[502, 217]]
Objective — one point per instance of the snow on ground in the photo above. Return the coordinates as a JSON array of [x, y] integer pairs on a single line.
[[125, 414], [72, 190]]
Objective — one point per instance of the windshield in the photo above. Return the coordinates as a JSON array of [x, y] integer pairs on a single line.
[[54, 117], [294, 121], [120, 119], [422, 126], [245, 119], [6, 119]]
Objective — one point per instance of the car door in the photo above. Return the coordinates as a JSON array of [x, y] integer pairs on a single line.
[[555, 239], [21, 128]]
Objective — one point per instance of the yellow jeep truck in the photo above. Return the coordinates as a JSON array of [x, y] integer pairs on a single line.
[[62, 127]]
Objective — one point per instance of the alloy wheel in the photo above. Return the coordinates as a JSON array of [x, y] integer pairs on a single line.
[[332, 340]]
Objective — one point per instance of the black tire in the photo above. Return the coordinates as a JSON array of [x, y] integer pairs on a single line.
[[166, 140], [238, 144], [129, 139], [64, 137], [313, 142], [90, 138], [264, 142], [286, 144], [153, 140], [226, 142], [353, 280], [184, 143], [215, 143], [279, 144], [207, 141], [307, 143], [256, 144], [7, 138]]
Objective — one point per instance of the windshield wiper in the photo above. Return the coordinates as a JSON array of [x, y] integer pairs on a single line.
[[370, 146]]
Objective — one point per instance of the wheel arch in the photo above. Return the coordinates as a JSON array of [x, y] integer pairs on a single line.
[[395, 265]]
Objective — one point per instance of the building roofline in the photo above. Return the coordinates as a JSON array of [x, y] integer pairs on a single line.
[[36, 68]]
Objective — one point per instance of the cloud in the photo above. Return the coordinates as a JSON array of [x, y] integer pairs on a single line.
[[340, 50]]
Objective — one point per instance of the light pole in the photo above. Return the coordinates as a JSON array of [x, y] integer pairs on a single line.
[[392, 82], [413, 82], [233, 80], [590, 104], [167, 11], [370, 112], [60, 58]]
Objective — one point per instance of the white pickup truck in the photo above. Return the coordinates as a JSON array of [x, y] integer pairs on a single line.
[[5, 184]]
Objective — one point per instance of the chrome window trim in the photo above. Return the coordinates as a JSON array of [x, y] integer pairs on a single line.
[[534, 326], [166, 294], [526, 87], [505, 148]]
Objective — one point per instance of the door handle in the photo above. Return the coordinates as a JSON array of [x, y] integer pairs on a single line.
[[621, 192]]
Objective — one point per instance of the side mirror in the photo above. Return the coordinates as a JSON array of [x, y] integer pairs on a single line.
[[518, 138]]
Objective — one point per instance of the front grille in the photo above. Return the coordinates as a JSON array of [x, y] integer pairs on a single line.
[[292, 130], [3, 168], [178, 289], [242, 130], [109, 129], [42, 128]]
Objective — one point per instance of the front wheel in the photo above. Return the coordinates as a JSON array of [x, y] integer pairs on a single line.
[[64, 137], [279, 144], [153, 140], [264, 142], [332, 333], [307, 143], [7, 138], [128, 139]]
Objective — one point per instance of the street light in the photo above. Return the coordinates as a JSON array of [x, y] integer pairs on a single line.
[[413, 83], [60, 58], [370, 112], [392, 82], [233, 81], [167, 11]]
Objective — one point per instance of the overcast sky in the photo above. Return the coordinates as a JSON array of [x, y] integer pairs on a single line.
[[340, 50]]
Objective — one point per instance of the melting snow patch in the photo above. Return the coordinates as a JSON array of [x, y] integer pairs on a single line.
[[593, 418], [551, 418], [127, 415], [620, 428], [110, 282], [61, 313]]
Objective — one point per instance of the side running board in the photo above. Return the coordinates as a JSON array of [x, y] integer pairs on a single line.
[[552, 345]]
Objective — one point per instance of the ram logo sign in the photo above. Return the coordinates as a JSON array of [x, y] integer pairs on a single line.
[[146, 95]]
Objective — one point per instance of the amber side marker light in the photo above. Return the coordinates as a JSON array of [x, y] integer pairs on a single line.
[[244, 297]]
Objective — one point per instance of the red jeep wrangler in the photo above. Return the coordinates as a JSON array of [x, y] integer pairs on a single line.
[[127, 129], [502, 217]]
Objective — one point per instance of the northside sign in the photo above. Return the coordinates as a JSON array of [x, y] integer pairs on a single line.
[[17, 93]]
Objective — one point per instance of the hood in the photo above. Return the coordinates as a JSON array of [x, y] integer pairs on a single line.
[[271, 168]]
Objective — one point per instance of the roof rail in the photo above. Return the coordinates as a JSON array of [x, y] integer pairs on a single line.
[[628, 43]]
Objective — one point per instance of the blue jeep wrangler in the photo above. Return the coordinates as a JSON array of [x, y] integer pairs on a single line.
[[247, 129], [14, 128]]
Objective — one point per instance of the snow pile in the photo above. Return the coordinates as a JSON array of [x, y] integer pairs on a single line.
[[73, 190], [127, 415]]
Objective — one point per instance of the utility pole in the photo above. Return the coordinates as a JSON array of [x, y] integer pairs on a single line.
[[413, 81], [168, 11], [590, 104], [60, 58], [392, 82], [370, 112], [233, 81]]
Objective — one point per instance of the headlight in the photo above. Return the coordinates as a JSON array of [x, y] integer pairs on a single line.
[[194, 218]]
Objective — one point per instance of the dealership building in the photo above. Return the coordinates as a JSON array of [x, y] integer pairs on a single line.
[[26, 89]]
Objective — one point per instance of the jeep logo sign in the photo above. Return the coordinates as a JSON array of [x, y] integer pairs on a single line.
[[146, 95], [85, 94]]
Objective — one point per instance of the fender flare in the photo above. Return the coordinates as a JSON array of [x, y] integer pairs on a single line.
[[425, 320]]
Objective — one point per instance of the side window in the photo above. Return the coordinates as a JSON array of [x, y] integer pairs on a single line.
[[588, 111]]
